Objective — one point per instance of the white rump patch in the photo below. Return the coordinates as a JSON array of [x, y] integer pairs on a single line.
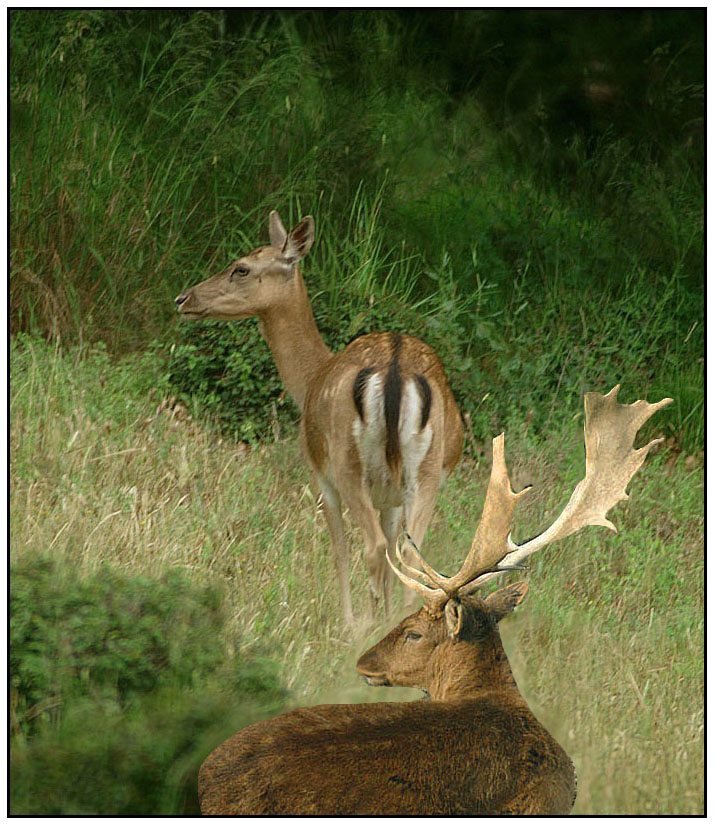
[[370, 431], [414, 441], [370, 435]]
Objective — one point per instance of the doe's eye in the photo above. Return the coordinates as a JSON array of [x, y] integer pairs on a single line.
[[412, 635], [240, 270]]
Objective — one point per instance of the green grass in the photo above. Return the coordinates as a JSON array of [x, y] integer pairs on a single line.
[[608, 647], [525, 350]]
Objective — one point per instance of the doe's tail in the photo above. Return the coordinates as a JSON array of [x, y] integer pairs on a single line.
[[401, 398]]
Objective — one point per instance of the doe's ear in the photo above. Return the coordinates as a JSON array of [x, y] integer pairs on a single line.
[[504, 601], [299, 241], [277, 231]]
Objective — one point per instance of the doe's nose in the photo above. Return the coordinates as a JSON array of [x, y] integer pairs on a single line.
[[181, 298]]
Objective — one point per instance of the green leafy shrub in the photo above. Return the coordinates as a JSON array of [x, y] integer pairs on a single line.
[[120, 686], [142, 760], [72, 635], [226, 374]]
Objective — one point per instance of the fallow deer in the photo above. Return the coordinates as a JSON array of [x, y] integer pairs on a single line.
[[475, 747], [380, 428]]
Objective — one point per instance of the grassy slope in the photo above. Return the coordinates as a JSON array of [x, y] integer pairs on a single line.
[[607, 648]]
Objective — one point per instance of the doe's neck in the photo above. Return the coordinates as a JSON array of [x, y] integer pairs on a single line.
[[294, 340]]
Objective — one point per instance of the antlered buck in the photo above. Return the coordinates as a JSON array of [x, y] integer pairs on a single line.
[[380, 428], [475, 747]]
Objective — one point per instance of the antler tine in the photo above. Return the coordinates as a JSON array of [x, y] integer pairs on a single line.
[[489, 546], [434, 599], [428, 575], [610, 463]]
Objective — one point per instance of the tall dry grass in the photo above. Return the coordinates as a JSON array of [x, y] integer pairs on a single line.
[[607, 648]]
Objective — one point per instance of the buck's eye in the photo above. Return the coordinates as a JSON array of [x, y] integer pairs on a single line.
[[241, 271], [412, 635]]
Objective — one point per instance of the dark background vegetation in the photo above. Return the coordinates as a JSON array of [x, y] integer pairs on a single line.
[[522, 189]]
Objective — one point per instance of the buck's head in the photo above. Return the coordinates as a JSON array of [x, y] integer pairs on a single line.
[[446, 652], [257, 282], [452, 644]]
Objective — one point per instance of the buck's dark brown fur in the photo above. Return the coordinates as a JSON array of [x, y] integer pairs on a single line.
[[474, 748], [386, 758]]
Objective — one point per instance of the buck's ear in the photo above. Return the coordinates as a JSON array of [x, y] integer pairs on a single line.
[[454, 613], [299, 241], [504, 601], [277, 231]]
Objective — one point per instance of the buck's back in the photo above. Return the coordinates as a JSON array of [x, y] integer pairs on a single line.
[[428, 758]]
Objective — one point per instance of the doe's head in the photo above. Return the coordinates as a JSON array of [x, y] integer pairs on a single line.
[[255, 283]]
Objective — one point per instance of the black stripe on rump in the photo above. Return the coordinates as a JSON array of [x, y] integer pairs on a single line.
[[425, 393], [392, 402], [358, 389]]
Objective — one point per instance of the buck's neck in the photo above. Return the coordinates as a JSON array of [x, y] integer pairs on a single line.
[[465, 672], [294, 340]]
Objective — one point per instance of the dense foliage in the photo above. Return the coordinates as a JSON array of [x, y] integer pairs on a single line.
[[145, 662]]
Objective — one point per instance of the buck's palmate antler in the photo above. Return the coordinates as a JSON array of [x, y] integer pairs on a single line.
[[610, 463]]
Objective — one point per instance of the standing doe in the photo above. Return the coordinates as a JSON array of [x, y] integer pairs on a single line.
[[475, 747], [380, 428]]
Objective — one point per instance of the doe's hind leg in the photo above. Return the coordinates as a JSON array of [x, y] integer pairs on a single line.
[[391, 520]]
